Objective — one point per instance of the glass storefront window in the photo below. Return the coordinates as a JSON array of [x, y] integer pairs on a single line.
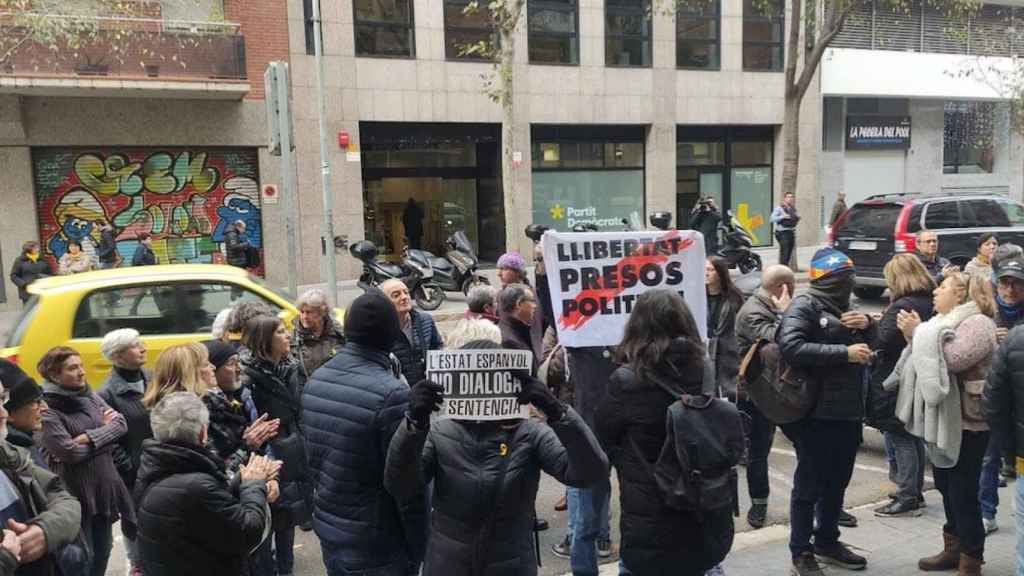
[[624, 154], [751, 153], [564, 198], [751, 203], [700, 153]]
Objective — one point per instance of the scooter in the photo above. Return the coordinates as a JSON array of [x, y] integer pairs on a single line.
[[457, 271], [415, 271], [737, 247]]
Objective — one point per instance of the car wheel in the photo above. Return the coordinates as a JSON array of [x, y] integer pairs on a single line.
[[868, 292]]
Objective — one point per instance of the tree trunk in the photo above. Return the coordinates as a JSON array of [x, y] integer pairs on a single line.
[[791, 144], [508, 142]]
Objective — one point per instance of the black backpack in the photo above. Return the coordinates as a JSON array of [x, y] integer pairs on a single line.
[[696, 468]]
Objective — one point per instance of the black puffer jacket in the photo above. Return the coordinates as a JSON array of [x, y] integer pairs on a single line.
[[812, 340], [655, 539], [236, 247], [413, 355], [464, 461], [24, 272], [190, 520], [889, 344], [120, 395], [1004, 394], [352, 406]]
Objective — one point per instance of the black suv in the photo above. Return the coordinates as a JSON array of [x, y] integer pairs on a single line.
[[872, 231]]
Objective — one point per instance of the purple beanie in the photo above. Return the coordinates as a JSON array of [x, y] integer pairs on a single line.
[[512, 260]]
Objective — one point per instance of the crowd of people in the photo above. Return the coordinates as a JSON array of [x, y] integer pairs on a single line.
[[213, 454]]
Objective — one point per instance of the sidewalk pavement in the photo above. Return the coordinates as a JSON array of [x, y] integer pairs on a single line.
[[891, 545]]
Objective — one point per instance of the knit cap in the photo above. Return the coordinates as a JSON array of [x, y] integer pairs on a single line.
[[512, 260], [828, 261], [220, 352], [372, 321]]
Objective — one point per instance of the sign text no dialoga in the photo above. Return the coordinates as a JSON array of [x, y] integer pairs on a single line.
[[479, 384]]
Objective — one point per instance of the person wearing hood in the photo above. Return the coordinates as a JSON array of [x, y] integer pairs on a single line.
[[192, 519], [79, 434], [941, 379], [352, 406], [482, 517], [317, 336], [39, 516], [826, 342], [660, 343], [27, 268]]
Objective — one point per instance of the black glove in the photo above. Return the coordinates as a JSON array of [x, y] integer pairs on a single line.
[[536, 392], [425, 397]]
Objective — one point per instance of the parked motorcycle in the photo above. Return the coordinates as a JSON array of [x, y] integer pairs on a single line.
[[457, 271], [737, 245], [415, 270]]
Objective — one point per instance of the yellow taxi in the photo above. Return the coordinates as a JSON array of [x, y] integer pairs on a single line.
[[168, 305]]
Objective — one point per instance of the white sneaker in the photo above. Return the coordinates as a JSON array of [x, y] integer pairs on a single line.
[[990, 525]]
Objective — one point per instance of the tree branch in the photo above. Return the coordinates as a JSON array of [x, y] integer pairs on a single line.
[[10, 51], [794, 42], [812, 59]]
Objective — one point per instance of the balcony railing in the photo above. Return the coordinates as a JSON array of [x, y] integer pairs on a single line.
[[124, 48]]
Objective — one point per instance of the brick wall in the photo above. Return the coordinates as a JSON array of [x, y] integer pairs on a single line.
[[265, 26]]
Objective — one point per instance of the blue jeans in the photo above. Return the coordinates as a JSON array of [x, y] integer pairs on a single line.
[[988, 484], [572, 500], [1018, 514], [890, 456], [591, 513], [334, 561]]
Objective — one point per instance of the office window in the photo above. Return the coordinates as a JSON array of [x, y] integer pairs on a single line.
[[384, 28], [763, 24], [307, 19], [627, 31], [462, 30], [553, 27], [698, 39], [968, 143]]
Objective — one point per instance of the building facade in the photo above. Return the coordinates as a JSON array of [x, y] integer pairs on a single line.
[[914, 102]]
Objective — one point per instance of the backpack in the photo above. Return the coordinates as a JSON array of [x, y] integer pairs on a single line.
[[782, 393], [696, 468]]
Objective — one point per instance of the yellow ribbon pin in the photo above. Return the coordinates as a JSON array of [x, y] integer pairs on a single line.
[[503, 449]]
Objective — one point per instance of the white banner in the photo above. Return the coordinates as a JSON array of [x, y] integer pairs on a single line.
[[478, 384], [596, 277]]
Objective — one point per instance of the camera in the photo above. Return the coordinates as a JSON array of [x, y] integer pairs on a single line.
[[535, 231]]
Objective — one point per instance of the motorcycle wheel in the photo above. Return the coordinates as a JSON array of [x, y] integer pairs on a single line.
[[429, 297], [750, 263], [472, 281]]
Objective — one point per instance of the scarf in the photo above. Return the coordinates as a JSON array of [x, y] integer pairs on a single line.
[[32, 256], [834, 290], [1009, 313], [135, 378]]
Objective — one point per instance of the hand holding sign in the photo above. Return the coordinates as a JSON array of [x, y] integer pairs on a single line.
[[424, 398], [537, 393]]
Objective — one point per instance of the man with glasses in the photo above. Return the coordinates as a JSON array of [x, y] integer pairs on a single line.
[[518, 310], [928, 253]]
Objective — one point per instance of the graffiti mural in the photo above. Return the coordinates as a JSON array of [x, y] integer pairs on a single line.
[[184, 197]]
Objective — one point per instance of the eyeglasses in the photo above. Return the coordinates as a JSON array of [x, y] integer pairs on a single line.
[[929, 241]]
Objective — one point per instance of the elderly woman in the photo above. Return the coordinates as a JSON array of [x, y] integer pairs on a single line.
[[219, 329], [122, 391], [78, 438], [180, 368], [941, 377], [74, 260], [317, 337]]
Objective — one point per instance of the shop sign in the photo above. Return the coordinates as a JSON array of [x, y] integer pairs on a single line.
[[877, 132], [602, 198]]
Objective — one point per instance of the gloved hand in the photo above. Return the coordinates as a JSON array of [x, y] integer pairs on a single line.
[[425, 397], [537, 393]]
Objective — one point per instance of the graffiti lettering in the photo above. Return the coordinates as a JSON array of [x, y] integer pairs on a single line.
[[160, 173]]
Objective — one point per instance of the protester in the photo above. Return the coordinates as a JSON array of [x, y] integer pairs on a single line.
[[273, 377], [237, 247], [79, 430], [941, 382], [785, 218], [981, 264], [419, 332], [927, 249], [74, 260], [758, 319], [144, 255], [39, 515], [1004, 406], [837, 209], [482, 302], [107, 253], [240, 315], [512, 269], [543, 290], [472, 494], [317, 336], [724, 300], [122, 391], [910, 288], [705, 218], [352, 406], [24, 407], [660, 343], [518, 313], [179, 368], [218, 330], [192, 520], [826, 341], [27, 268], [469, 330]]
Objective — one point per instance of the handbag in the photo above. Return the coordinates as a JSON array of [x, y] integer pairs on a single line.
[[783, 393], [544, 370]]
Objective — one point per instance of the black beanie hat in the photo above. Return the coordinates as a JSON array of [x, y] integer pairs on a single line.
[[220, 352], [20, 387], [372, 321]]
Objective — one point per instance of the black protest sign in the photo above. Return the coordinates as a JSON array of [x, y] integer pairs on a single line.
[[479, 384]]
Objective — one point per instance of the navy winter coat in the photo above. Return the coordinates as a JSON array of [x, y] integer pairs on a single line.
[[413, 355]]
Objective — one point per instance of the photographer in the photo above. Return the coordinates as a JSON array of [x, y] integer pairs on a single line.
[[704, 218]]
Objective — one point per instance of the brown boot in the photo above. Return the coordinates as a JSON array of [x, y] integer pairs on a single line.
[[969, 566], [948, 559]]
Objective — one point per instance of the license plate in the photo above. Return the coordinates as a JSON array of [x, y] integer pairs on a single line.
[[858, 245]]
